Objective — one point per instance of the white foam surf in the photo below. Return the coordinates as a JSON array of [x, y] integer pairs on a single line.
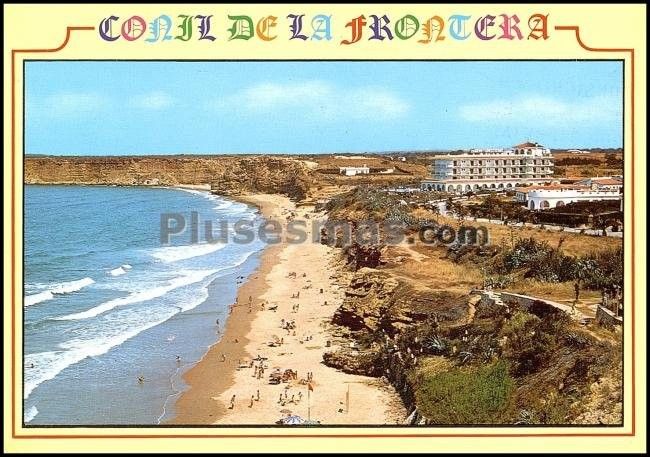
[[223, 204], [57, 289], [30, 413], [121, 327], [117, 271], [175, 253], [47, 365], [190, 277]]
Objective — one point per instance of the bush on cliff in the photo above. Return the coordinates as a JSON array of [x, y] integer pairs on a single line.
[[467, 396]]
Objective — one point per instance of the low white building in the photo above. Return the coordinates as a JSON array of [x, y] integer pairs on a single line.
[[353, 171], [555, 196], [578, 151]]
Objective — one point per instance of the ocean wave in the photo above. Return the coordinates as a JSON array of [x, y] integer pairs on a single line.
[[30, 413], [47, 365], [121, 270], [223, 203], [175, 253], [196, 300], [57, 289], [191, 277], [112, 331], [117, 271], [202, 193]]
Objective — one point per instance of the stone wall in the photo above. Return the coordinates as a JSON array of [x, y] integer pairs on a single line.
[[607, 318]]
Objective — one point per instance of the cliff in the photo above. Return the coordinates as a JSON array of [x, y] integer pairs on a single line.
[[225, 174]]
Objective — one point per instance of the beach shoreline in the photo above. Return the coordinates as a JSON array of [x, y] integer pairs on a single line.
[[225, 370]]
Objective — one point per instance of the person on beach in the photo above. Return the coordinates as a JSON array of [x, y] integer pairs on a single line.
[[217, 322], [252, 400], [178, 358], [232, 402], [223, 357], [258, 395]]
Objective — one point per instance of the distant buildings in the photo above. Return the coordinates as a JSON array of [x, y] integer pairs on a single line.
[[353, 171], [492, 169], [577, 151]]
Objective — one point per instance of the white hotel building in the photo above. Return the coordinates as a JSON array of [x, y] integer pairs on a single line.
[[492, 169]]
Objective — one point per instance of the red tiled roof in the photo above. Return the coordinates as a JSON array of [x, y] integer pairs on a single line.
[[605, 181], [551, 187], [527, 144]]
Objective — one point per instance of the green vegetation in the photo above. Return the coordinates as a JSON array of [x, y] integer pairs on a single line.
[[531, 341], [467, 395], [597, 271]]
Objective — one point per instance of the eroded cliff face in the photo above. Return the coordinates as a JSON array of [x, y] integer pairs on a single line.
[[409, 334], [225, 174]]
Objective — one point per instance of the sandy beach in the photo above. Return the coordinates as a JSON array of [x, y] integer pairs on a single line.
[[285, 288]]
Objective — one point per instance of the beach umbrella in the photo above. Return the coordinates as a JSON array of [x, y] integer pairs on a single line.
[[293, 420]]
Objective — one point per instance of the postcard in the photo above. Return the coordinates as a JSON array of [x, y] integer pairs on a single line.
[[299, 227]]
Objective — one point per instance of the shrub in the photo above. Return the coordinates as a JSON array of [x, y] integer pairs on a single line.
[[467, 396], [531, 341]]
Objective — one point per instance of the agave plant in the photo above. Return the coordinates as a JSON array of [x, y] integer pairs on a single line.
[[434, 344]]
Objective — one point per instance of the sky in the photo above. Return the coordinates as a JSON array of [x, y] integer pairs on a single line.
[[125, 108]]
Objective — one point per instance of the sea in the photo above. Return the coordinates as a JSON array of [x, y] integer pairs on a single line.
[[113, 316]]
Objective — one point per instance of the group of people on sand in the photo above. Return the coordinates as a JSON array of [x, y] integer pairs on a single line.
[[284, 398], [257, 365], [288, 326]]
